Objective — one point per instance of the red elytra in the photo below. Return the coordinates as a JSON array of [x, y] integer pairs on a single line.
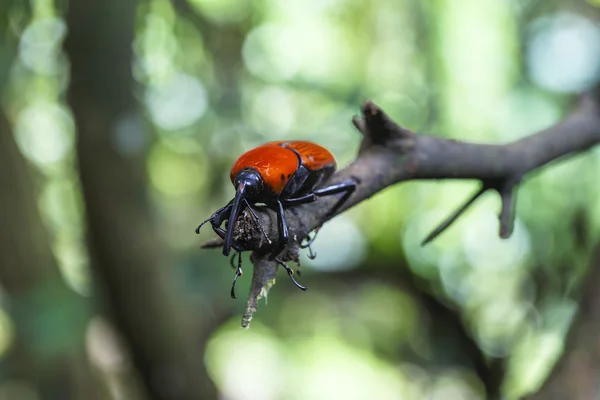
[[279, 162], [280, 174]]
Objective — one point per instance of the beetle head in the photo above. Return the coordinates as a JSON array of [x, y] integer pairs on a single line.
[[248, 183]]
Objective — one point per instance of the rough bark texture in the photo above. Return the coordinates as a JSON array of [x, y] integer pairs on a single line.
[[128, 257]]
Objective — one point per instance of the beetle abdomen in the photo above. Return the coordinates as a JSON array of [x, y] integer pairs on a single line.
[[314, 157]]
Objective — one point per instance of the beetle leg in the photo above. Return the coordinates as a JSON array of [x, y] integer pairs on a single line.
[[311, 254], [309, 198], [309, 241], [290, 273], [346, 187], [283, 231], [218, 217], [238, 272], [224, 213]]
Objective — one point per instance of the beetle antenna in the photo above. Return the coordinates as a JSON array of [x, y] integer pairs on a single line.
[[257, 220], [235, 211], [200, 226]]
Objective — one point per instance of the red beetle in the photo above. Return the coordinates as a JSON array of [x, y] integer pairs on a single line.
[[279, 174]]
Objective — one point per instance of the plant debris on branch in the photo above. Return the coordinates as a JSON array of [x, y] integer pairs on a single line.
[[390, 154]]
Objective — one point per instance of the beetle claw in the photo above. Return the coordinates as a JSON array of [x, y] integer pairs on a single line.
[[238, 272], [311, 254], [291, 274], [299, 286]]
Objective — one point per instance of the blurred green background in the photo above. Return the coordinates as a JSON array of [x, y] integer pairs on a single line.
[[166, 95]]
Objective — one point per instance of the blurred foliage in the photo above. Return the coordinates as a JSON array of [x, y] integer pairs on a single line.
[[217, 77]]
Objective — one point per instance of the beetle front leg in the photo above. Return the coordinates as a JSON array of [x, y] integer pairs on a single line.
[[218, 217], [221, 233]]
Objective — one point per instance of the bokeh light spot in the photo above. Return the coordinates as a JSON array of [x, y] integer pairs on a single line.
[[272, 112], [483, 247], [7, 332], [40, 45], [280, 52], [339, 371], [44, 133], [246, 364], [224, 11], [177, 102], [174, 174], [564, 53], [130, 134], [340, 246]]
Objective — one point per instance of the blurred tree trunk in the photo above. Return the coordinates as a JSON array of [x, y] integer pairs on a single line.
[[50, 319], [128, 256], [577, 375]]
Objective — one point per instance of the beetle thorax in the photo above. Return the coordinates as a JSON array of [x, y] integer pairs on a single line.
[[250, 180]]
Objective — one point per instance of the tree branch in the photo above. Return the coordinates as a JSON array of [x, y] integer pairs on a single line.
[[390, 154]]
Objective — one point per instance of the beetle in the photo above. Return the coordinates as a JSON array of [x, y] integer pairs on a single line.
[[279, 174]]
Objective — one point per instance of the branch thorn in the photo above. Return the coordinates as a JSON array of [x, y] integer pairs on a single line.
[[454, 216]]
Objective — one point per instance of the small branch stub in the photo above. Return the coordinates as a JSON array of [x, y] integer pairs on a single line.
[[378, 129], [263, 278]]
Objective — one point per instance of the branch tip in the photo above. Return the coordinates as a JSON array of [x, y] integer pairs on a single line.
[[380, 123], [263, 278], [370, 109], [507, 213]]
